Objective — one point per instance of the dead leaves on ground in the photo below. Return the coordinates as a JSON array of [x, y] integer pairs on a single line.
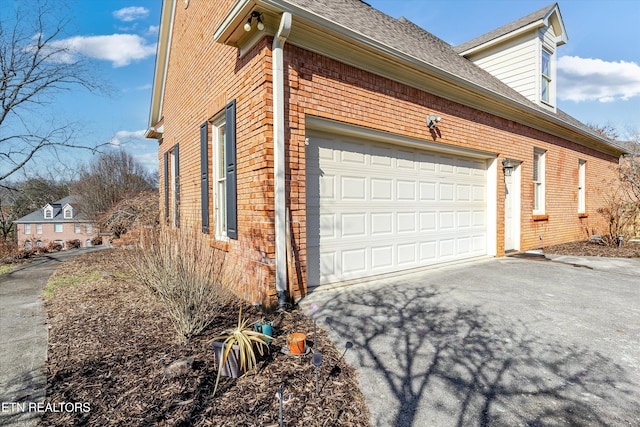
[[112, 346]]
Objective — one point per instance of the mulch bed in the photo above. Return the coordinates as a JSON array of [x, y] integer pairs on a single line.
[[594, 248], [112, 348]]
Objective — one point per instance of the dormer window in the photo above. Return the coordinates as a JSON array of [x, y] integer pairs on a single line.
[[68, 212], [545, 83], [48, 212]]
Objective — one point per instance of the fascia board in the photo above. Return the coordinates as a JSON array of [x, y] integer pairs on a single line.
[[554, 18], [499, 40], [162, 61], [228, 26], [338, 42]]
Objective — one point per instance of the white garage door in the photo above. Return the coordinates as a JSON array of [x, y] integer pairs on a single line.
[[375, 208]]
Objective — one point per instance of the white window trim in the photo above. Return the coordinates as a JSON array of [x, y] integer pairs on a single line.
[[55, 227], [27, 229], [48, 213], [38, 228], [76, 228], [68, 213], [582, 186], [88, 228], [546, 77], [539, 185], [172, 184], [219, 181]]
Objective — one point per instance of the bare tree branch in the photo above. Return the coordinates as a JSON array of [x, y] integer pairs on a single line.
[[36, 64]]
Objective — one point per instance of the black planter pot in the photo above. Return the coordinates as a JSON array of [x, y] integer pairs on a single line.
[[231, 367]]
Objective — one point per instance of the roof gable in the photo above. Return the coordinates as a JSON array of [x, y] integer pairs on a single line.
[[57, 210], [546, 17]]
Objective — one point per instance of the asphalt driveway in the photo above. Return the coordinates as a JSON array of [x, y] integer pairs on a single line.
[[503, 342], [24, 337]]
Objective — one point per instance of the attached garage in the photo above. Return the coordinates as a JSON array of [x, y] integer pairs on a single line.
[[378, 207]]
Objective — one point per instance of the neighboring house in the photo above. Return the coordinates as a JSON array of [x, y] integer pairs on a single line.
[[57, 222], [364, 142]]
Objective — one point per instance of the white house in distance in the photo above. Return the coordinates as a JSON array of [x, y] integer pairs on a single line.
[[56, 222]]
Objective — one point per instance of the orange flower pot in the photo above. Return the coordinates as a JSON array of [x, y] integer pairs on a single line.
[[297, 343]]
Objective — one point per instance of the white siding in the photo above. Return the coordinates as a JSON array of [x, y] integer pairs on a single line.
[[515, 63]]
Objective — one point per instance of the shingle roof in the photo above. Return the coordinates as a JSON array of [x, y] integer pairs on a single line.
[[505, 29], [38, 215], [406, 37], [410, 39]]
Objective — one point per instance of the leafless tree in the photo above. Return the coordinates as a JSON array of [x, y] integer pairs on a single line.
[[607, 130], [136, 210], [111, 177], [20, 198], [36, 65], [621, 208]]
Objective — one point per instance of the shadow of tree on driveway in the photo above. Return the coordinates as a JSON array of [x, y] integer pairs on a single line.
[[425, 360]]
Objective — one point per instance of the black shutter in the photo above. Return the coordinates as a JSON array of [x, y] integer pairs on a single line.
[[230, 160], [176, 157], [166, 185], [204, 172]]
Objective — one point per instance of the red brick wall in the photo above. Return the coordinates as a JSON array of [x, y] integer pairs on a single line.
[[204, 76], [49, 235], [326, 88]]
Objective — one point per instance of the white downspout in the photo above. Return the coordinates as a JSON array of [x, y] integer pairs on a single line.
[[279, 157]]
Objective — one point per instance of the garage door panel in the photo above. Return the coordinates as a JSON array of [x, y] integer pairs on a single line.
[[354, 261], [374, 208], [406, 222], [381, 224], [428, 191], [446, 191], [382, 189], [354, 225], [352, 188], [428, 221], [382, 258]]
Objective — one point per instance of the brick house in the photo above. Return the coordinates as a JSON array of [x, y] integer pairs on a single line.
[[57, 222], [363, 143]]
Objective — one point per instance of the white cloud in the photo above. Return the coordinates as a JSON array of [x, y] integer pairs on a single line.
[[153, 30], [120, 49], [122, 137], [144, 87], [586, 79], [132, 13], [148, 160]]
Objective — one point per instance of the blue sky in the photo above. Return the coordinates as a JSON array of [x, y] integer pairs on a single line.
[[600, 64]]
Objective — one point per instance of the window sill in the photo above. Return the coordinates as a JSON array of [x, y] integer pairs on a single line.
[[219, 244], [583, 215], [540, 218]]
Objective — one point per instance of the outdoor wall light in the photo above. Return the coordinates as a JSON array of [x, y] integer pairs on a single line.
[[432, 121], [507, 166], [256, 15]]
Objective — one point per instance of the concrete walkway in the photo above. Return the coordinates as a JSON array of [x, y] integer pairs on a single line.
[[24, 338], [501, 342]]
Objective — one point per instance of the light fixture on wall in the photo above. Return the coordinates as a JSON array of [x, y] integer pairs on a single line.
[[256, 15], [432, 121], [507, 166]]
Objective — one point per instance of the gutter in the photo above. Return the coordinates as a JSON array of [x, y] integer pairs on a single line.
[[454, 81], [280, 207]]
